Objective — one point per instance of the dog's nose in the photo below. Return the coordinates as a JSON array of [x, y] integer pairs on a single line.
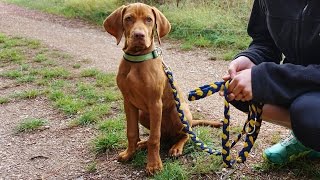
[[139, 34]]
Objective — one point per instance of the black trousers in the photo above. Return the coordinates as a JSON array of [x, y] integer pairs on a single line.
[[305, 118]]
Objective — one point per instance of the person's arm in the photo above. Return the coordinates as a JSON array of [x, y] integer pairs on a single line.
[[262, 47], [270, 82], [281, 84]]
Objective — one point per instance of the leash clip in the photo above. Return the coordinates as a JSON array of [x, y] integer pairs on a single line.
[[157, 52]]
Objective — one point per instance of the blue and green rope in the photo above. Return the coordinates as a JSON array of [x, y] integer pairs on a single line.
[[251, 127]]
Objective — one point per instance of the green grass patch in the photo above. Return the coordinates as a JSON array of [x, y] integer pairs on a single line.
[[28, 94], [110, 141], [10, 55], [4, 100], [275, 138], [12, 74], [105, 80], [76, 66], [114, 124], [88, 92], [88, 117], [30, 124], [303, 168], [24, 67], [58, 84], [204, 164], [40, 58], [90, 72], [69, 105], [91, 168], [26, 79], [93, 115], [3, 38], [173, 171], [55, 72], [140, 159], [112, 135]]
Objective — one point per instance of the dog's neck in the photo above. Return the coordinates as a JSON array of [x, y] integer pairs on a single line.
[[141, 58], [142, 55]]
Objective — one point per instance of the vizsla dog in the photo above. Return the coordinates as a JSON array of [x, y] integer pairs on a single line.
[[147, 94]]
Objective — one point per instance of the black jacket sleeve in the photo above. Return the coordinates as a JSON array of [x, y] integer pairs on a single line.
[[273, 83], [281, 84], [262, 47]]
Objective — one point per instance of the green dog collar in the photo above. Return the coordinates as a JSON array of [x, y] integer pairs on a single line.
[[140, 58]]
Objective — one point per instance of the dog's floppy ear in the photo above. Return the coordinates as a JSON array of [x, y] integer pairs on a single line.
[[162, 24], [113, 23]]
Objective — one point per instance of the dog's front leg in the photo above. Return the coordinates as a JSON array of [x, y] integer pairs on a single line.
[[132, 115], [154, 161]]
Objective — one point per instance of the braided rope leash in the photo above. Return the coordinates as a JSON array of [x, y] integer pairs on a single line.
[[251, 127]]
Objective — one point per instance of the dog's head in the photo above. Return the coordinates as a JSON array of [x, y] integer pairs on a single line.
[[139, 23]]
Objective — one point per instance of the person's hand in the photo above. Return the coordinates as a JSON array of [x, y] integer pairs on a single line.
[[237, 65], [240, 72], [240, 87]]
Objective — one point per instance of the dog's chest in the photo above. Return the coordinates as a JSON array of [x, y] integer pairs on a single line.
[[141, 84]]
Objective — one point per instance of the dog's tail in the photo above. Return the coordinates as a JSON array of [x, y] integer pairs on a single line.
[[211, 123]]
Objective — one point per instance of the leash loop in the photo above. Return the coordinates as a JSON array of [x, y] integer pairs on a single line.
[[251, 127]]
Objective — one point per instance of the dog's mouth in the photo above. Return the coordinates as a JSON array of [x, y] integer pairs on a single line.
[[137, 45]]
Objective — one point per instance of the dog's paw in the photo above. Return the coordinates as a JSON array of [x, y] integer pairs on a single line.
[[154, 167], [142, 145], [176, 151], [125, 156]]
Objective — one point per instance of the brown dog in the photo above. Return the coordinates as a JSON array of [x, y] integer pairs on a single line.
[[148, 97]]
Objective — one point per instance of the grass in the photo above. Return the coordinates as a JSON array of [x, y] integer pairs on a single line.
[[55, 72], [140, 159], [4, 100], [91, 168], [28, 94], [302, 168], [40, 58], [12, 74], [69, 105], [89, 73], [26, 79], [206, 164], [275, 138], [172, 170], [30, 124], [112, 135], [10, 55], [217, 25]]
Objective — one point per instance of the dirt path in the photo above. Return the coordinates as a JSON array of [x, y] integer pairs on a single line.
[[88, 42]]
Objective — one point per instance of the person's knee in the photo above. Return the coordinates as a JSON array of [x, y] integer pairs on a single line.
[[305, 119]]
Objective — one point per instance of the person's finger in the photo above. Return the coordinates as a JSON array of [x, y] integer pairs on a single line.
[[239, 97], [237, 89], [221, 93], [231, 97], [232, 70], [226, 77], [247, 97]]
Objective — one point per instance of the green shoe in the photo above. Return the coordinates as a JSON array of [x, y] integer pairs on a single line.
[[288, 150]]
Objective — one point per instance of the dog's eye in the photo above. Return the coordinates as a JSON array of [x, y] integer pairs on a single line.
[[149, 19], [128, 19]]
